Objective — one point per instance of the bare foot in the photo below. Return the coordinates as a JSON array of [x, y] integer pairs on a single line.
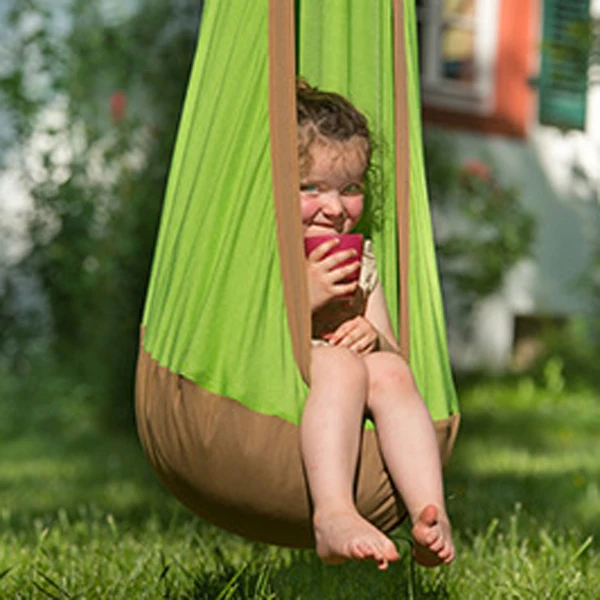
[[345, 535], [433, 538]]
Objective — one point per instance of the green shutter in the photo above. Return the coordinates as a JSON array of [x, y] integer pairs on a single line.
[[564, 69]]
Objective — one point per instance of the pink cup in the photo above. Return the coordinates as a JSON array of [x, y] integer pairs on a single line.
[[347, 241]]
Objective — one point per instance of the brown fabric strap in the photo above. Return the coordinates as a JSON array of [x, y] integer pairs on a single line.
[[446, 431], [286, 183], [401, 140]]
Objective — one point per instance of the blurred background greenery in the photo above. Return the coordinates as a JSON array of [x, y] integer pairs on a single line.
[[92, 96]]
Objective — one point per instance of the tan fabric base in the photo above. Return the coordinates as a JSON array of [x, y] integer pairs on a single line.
[[239, 469]]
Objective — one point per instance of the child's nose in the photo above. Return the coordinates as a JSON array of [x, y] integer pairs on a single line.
[[332, 203]]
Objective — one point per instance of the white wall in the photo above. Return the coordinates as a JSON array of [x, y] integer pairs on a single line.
[[558, 175]]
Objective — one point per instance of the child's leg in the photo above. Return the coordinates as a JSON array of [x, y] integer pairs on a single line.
[[330, 436], [409, 446]]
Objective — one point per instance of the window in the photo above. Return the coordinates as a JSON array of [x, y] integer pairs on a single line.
[[564, 66], [458, 53]]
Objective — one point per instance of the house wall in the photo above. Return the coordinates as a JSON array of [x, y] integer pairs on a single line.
[[567, 220], [558, 176]]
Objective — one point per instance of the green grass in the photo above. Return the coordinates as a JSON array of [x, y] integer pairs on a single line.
[[82, 516]]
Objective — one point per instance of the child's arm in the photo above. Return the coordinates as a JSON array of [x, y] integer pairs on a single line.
[[378, 315]]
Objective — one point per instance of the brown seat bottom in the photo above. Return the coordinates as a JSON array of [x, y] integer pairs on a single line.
[[242, 470]]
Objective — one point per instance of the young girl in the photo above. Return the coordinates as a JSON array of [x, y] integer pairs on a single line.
[[356, 369]]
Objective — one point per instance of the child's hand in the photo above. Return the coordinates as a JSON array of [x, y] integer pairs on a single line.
[[356, 334], [325, 276]]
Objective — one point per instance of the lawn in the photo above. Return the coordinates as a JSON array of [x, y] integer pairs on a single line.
[[82, 516]]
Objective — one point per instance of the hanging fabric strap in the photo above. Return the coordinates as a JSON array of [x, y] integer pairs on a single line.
[[401, 134], [286, 183]]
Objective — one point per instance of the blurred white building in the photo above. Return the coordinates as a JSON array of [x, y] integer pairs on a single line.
[[535, 117]]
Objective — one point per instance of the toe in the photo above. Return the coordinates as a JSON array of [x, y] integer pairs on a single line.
[[429, 515], [361, 551], [383, 565], [433, 536], [446, 554], [391, 552], [382, 562]]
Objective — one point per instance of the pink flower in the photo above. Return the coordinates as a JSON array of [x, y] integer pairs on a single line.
[[477, 168], [118, 106]]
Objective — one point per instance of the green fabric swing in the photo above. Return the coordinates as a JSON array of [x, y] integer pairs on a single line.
[[223, 369]]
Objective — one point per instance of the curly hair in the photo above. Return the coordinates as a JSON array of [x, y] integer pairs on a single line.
[[327, 117]]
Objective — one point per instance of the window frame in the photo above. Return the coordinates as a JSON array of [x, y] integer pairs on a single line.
[[443, 93]]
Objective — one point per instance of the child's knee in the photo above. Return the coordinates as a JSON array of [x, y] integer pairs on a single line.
[[338, 364], [389, 371]]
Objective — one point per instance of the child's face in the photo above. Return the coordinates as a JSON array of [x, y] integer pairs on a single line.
[[331, 193]]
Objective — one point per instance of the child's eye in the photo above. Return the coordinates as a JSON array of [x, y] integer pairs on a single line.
[[352, 189], [309, 188]]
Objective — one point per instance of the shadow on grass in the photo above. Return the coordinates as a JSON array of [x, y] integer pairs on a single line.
[[79, 475], [306, 577], [539, 454]]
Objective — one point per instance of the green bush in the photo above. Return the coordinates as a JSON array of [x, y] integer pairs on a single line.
[[481, 228], [93, 99]]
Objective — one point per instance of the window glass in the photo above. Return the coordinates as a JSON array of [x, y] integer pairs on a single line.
[[457, 44], [458, 27]]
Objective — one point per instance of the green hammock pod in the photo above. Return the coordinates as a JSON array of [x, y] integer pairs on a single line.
[[223, 368]]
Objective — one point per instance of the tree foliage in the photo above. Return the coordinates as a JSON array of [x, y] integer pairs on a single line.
[[93, 96]]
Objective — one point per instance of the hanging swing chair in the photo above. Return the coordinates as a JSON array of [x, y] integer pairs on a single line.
[[223, 370]]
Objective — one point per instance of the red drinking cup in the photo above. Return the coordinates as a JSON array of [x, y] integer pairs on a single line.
[[347, 241]]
